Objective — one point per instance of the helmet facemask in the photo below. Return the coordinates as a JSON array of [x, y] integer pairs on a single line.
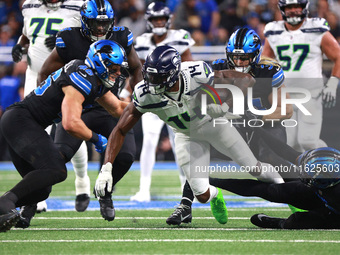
[[297, 17], [99, 28], [158, 10]]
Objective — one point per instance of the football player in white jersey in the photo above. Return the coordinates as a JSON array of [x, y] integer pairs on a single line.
[[42, 20], [158, 18], [298, 43], [169, 90]]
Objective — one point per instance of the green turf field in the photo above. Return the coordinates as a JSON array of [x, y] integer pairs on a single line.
[[145, 231]]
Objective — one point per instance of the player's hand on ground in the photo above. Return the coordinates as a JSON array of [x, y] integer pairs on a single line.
[[104, 180]]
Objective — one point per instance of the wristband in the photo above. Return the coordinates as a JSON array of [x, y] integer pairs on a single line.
[[95, 138]]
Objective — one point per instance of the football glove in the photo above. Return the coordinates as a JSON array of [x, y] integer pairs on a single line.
[[17, 53], [329, 92], [220, 64], [99, 142], [104, 180], [218, 111], [50, 41]]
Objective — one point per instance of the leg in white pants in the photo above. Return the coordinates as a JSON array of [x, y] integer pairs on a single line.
[[79, 162], [182, 178]]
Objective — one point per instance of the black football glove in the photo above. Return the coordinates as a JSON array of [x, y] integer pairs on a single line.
[[17, 53], [220, 64], [50, 41]]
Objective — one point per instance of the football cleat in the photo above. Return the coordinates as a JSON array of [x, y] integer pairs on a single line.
[[182, 214], [27, 212], [82, 202], [141, 197], [219, 209], [263, 221], [106, 209], [41, 207], [8, 220]]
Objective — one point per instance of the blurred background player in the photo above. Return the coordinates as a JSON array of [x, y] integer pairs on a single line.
[[42, 20], [158, 18], [97, 22], [243, 53], [298, 43]]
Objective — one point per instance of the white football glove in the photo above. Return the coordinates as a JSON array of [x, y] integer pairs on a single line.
[[104, 180], [217, 111], [329, 92]]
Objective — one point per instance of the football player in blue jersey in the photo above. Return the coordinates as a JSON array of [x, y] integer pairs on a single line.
[[61, 98], [97, 22], [317, 190]]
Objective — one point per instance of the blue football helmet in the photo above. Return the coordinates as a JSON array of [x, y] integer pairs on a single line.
[[161, 69], [97, 18], [101, 57], [244, 44], [158, 9], [298, 18], [52, 5], [320, 168]]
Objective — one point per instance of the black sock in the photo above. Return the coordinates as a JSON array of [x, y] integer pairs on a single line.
[[187, 195]]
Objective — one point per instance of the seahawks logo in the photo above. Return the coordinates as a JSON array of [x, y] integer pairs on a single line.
[[176, 61]]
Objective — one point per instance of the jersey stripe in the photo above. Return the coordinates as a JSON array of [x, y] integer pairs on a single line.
[[153, 106], [178, 43], [314, 30], [271, 32], [82, 83], [130, 39], [142, 48], [278, 78], [60, 43]]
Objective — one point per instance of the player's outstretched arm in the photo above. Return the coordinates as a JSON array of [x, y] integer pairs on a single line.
[[51, 64], [126, 122], [112, 104]]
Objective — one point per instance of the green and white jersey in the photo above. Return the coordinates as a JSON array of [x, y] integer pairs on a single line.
[[299, 51], [179, 39], [180, 110], [40, 22]]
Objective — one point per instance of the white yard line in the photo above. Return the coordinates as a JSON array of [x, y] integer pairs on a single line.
[[170, 240]]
